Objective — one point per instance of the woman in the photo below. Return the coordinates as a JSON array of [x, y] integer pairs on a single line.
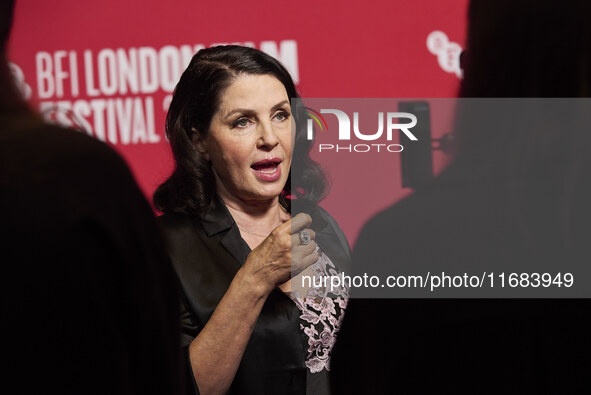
[[232, 240]]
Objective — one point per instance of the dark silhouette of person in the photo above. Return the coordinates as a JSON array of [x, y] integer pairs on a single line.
[[512, 199], [89, 298]]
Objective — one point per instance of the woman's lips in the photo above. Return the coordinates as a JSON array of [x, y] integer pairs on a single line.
[[267, 170]]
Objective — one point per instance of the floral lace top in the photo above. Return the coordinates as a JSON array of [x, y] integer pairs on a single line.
[[322, 313]]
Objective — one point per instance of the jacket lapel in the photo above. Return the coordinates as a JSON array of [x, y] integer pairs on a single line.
[[218, 221]]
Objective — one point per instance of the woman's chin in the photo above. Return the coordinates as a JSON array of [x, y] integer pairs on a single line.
[[262, 196]]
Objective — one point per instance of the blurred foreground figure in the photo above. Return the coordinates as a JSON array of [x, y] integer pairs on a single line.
[[513, 199], [89, 303]]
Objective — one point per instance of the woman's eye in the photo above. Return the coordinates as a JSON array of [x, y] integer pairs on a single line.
[[282, 116], [241, 123]]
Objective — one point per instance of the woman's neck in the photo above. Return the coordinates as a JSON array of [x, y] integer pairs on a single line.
[[257, 217]]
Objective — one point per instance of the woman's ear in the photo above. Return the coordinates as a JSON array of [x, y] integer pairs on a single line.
[[199, 143]]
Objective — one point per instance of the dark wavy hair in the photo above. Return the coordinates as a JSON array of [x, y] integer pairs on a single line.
[[191, 187]]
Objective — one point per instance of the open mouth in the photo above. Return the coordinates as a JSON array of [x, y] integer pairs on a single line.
[[267, 166], [267, 170]]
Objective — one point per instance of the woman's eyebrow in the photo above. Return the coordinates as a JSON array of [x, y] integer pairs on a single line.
[[249, 112], [279, 105], [243, 111]]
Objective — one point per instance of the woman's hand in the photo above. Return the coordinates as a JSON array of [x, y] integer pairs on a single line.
[[280, 256]]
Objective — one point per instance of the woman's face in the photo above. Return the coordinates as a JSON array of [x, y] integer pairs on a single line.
[[250, 139]]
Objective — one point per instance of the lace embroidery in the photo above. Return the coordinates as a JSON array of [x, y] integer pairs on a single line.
[[323, 313]]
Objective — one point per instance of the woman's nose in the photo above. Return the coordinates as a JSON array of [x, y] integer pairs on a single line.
[[267, 135]]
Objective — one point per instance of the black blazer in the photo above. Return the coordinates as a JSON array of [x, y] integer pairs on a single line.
[[206, 254]]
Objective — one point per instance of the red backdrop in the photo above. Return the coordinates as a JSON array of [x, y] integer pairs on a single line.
[[111, 65]]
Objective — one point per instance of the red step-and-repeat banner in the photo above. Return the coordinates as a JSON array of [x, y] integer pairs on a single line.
[[111, 65]]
